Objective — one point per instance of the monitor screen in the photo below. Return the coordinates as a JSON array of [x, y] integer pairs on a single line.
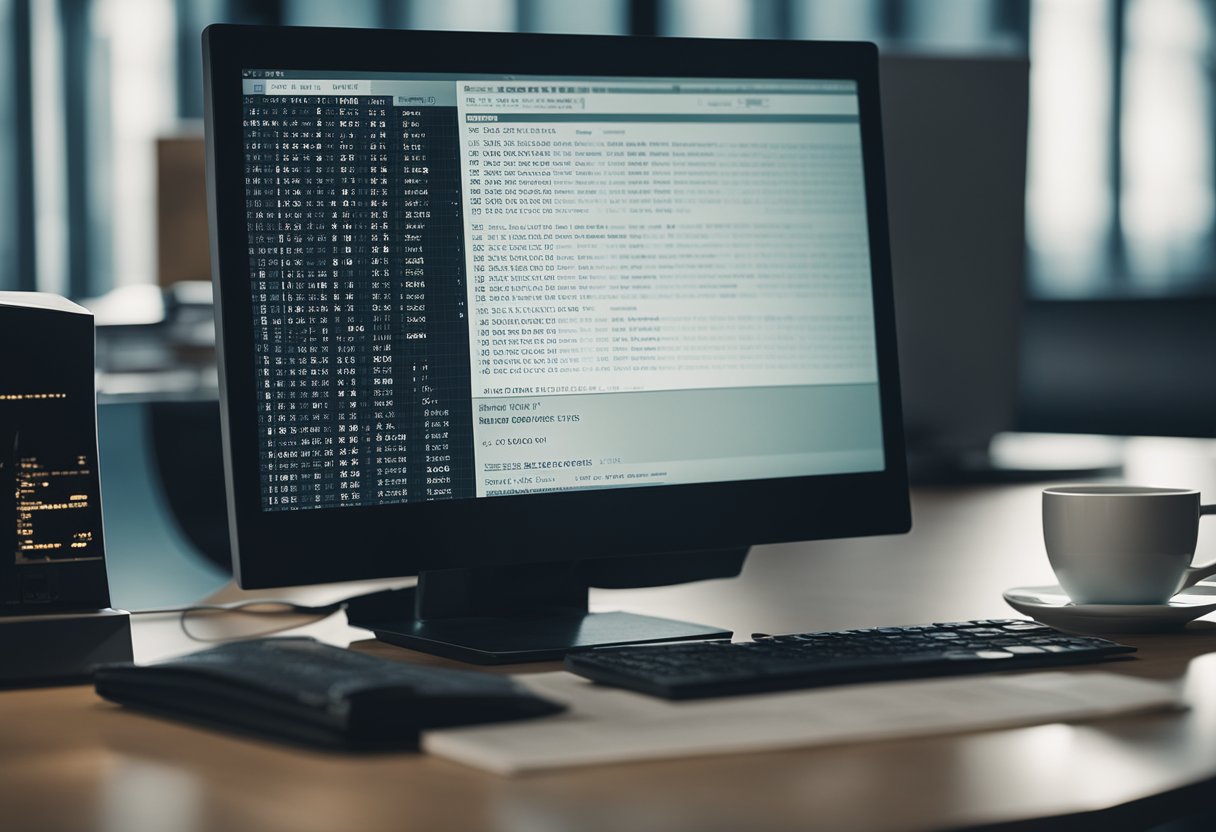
[[50, 491], [473, 285]]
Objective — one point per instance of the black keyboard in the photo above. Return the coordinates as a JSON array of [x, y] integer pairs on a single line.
[[689, 670]]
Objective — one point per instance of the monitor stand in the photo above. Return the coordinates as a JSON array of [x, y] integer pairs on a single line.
[[502, 615]]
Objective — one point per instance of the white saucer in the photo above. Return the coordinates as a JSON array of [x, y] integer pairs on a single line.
[[1050, 605]]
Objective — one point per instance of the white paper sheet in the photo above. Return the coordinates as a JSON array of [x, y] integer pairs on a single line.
[[607, 725]]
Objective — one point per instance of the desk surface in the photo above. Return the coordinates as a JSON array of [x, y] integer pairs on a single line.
[[70, 761]]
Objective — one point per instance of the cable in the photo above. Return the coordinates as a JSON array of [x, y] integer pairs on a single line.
[[256, 607], [276, 607]]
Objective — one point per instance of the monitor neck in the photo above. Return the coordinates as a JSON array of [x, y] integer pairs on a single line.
[[519, 589]]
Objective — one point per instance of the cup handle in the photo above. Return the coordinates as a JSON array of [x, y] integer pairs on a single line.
[[1195, 574]]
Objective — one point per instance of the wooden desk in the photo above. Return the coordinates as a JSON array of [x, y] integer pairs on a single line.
[[69, 761]]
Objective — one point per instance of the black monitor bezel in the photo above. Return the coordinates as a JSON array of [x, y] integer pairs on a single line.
[[284, 548]]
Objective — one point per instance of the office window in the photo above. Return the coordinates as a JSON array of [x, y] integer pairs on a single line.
[[478, 15], [49, 171], [1068, 195], [16, 248], [597, 17], [929, 26], [838, 19], [588, 17], [1120, 196], [365, 13], [136, 38], [1166, 139], [707, 18]]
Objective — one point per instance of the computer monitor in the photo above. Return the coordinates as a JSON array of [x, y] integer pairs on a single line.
[[955, 145], [498, 310]]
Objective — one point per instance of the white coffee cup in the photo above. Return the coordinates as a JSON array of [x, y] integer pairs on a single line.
[[1123, 544]]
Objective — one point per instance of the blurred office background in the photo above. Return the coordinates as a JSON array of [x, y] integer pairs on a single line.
[[101, 192], [1120, 198]]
